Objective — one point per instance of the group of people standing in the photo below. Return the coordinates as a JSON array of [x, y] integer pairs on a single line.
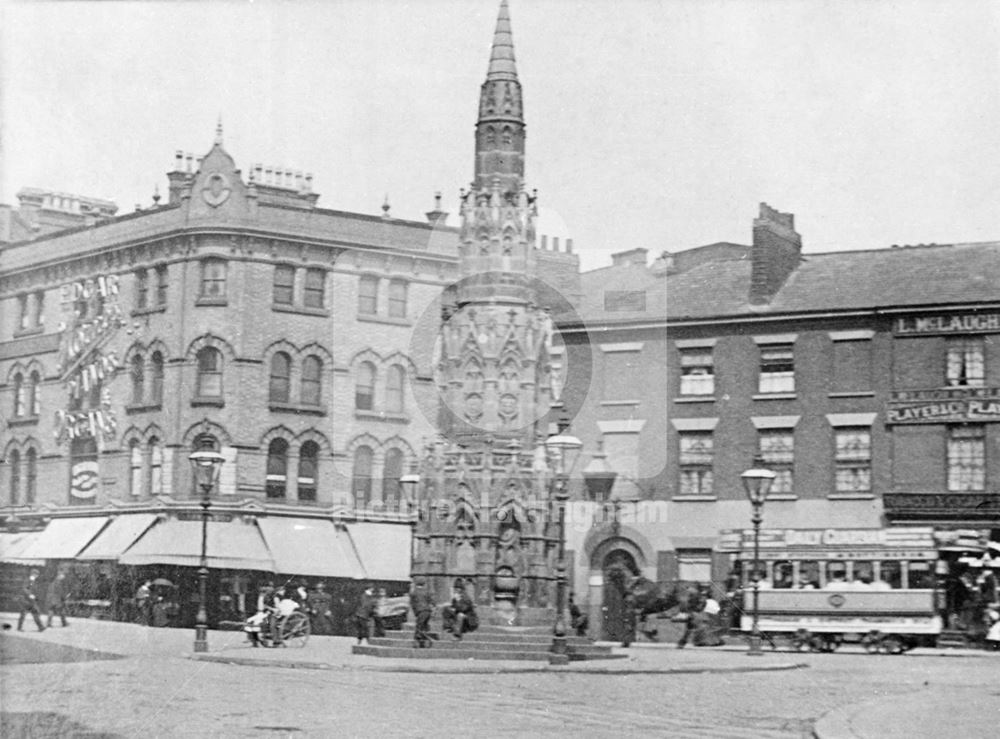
[[56, 599]]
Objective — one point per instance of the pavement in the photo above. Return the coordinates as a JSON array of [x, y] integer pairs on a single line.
[[926, 711]]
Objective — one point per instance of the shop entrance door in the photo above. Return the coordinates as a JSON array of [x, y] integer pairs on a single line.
[[619, 567]]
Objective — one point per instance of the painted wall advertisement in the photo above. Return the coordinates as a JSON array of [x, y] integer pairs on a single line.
[[93, 318]]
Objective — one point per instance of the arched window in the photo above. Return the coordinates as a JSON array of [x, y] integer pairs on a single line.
[[508, 136], [19, 395], [509, 378], [361, 477], [308, 470], [31, 481], [394, 389], [205, 443], [34, 396], [281, 369], [83, 470], [15, 477], [135, 468], [209, 373], [155, 466], [138, 374], [392, 470], [491, 135], [312, 370], [364, 393], [277, 468], [156, 389]]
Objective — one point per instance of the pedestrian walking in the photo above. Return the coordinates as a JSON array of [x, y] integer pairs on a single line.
[[321, 610], [55, 599], [144, 603], [577, 618], [423, 608], [29, 602], [364, 614]]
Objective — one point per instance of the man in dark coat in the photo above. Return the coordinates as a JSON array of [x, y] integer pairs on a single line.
[[423, 608], [460, 615], [55, 599], [321, 610], [364, 615], [29, 602]]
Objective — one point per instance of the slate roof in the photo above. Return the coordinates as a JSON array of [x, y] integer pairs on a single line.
[[841, 281], [612, 294]]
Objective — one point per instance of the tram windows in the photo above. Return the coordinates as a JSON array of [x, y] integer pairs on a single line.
[[783, 575], [836, 574], [921, 576], [808, 575], [863, 574], [890, 575]]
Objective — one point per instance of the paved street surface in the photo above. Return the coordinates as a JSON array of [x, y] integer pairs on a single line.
[[69, 683]]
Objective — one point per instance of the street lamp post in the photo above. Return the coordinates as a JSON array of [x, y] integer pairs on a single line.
[[563, 450], [409, 484], [205, 466], [756, 482]]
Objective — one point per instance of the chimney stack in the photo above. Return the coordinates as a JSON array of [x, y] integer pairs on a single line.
[[776, 252]]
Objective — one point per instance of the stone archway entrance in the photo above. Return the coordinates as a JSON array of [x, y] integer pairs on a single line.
[[618, 567]]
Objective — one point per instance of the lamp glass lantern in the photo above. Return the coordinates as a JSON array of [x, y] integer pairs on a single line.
[[757, 483], [206, 466]]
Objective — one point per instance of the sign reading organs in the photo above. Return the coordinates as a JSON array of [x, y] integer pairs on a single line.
[[93, 319]]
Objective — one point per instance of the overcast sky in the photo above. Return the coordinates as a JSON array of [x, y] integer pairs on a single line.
[[651, 123]]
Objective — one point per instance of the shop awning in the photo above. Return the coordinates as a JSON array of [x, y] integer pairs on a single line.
[[119, 535], [12, 547], [64, 538], [230, 545], [384, 549], [303, 546]]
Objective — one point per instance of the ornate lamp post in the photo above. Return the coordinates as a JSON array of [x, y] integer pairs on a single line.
[[563, 450], [205, 466], [409, 484], [756, 482]]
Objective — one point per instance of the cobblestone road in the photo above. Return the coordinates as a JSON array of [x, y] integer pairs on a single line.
[[163, 694]]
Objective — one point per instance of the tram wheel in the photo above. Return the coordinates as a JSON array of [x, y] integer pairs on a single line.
[[872, 642], [893, 645]]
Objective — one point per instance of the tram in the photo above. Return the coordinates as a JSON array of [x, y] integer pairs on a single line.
[[820, 588]]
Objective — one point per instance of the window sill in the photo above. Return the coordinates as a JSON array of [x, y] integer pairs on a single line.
[[853, 394], [300, 310], [851, 496], [620, 402], [150, 310], [782, 496], [381, 416], [142, 407], [211, 301], [695, 498], [315, 410], [32, 331], [22, 421], [774, 396], [695, 399], [373, 318], [212, 402]]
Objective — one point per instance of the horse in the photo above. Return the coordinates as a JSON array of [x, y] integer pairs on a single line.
[[644, 598]]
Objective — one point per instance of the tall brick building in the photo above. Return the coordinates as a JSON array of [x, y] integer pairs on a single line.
[[236, 315]]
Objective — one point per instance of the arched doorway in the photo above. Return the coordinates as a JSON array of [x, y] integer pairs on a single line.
[[619, 567]]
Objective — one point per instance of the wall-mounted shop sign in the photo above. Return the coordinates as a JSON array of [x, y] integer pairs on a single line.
[[93, 318], [962, 410], [828, 539], [963, 323]]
